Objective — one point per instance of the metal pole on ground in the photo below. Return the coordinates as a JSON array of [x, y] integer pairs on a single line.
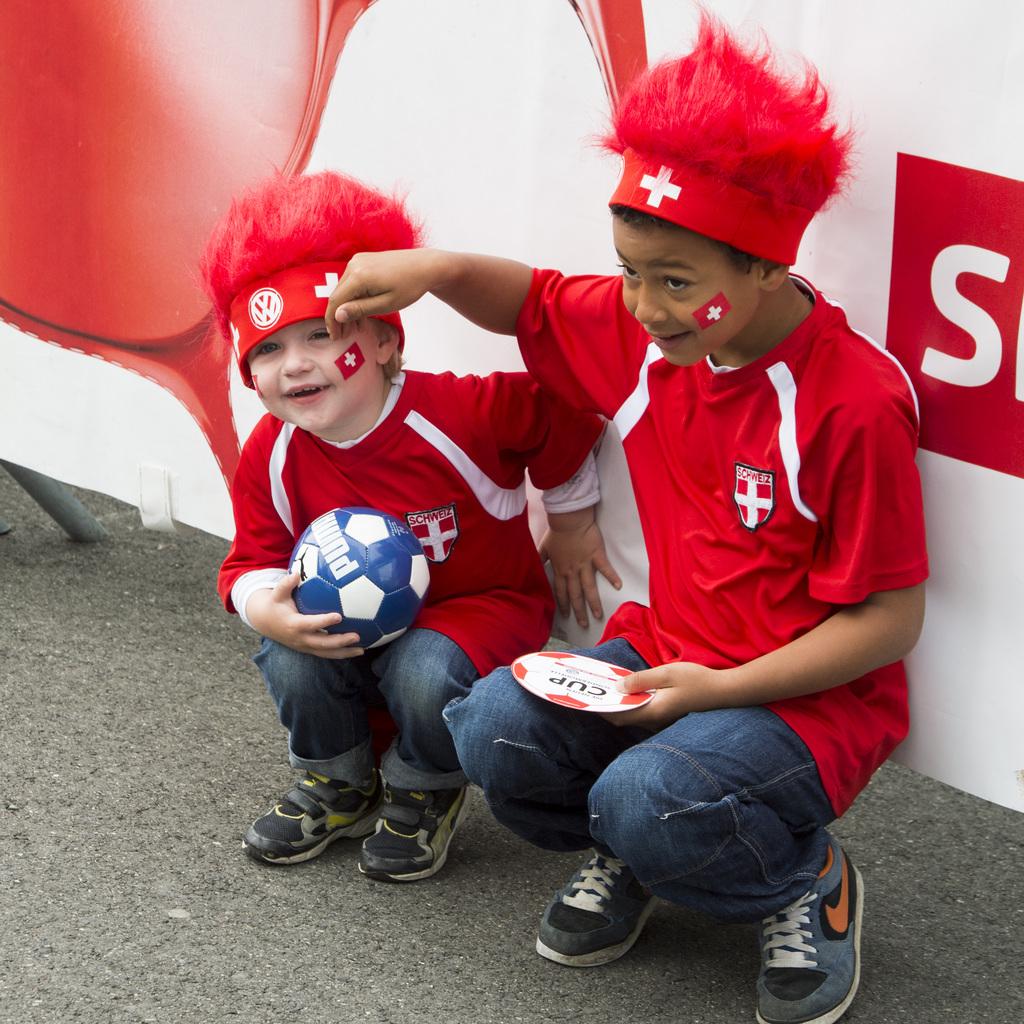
[[59, 503]]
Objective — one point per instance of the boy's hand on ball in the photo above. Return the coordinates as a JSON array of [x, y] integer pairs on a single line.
[[274, 614], [679, 688]]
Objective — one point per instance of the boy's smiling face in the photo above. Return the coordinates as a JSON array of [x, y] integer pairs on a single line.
[[299, 376], [692, 298]]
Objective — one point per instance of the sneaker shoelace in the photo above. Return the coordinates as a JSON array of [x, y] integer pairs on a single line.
[[784, 944], [593, 886]]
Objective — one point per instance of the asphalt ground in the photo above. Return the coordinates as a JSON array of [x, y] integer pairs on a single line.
[[136, 743]]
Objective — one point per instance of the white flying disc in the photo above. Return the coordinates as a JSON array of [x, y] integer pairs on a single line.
[[574, 681]]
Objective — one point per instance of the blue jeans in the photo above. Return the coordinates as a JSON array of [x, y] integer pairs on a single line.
[[722, 811], [322, 703]]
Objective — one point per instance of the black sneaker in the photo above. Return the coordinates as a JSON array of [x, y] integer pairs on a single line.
[[412, 834], [810, 951], [597, 917], [310, 816]]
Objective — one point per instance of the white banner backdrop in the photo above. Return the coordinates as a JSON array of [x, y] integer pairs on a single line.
[[483, 113]]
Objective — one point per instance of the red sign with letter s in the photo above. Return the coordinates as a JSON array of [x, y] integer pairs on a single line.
[[955, 308]]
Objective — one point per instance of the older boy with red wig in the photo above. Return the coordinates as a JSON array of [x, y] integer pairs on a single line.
[[346, 426], [771, 448]]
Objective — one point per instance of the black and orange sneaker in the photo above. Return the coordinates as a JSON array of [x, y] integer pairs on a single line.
[[413, 833], [810, 951], [312, 815]]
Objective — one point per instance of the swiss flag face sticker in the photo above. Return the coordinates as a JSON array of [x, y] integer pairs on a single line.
[[350, 360], [712, 311]]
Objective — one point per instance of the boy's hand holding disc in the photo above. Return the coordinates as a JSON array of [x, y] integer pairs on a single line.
[[676, 689], [577, 682]]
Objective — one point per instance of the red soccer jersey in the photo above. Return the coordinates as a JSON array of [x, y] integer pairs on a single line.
[[768, 496], [449, 459]]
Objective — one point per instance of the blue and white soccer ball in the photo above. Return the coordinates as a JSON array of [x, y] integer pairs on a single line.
[[366, 564]]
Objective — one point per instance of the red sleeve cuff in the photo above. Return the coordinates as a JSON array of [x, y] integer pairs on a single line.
[[855, 591]]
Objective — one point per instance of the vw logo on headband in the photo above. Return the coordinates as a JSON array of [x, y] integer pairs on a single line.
[[265, 308]]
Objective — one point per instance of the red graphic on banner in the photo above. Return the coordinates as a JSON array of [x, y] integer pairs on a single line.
[[119, 156], [955, 308], [618, 38]]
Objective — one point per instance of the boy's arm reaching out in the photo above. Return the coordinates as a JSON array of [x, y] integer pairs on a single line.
[[487, 290], [855, 640]]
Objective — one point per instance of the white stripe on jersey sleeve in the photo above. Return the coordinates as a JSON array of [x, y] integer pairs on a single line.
[[248, 583], [629, 413], [500, 502], [581, 490], [277, 492], [785, 388]]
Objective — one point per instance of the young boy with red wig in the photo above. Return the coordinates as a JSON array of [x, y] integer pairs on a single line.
[[346, 426], [771, 449]]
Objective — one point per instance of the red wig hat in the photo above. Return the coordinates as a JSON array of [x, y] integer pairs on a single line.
[[722, 143], [278, 252]]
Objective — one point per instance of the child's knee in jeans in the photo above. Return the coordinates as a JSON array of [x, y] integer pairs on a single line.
[[495, 756], [649, 792], [473, 730], [275, 660], [288, 671]]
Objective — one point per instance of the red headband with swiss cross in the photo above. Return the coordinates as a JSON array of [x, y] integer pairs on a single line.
[[290, 295], [714, 208]]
